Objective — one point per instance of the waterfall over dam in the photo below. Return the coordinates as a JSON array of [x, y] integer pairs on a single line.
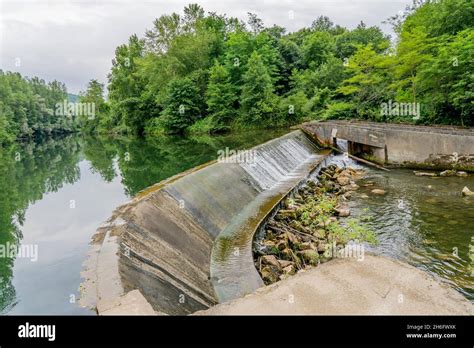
[[186, 242]]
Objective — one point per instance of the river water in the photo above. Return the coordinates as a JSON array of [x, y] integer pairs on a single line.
[[55, 193], [423, 221]]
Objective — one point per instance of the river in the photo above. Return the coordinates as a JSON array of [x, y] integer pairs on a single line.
[[55, 193]]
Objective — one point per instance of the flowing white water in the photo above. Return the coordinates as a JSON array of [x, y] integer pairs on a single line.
[[344, 160], [274, 162]]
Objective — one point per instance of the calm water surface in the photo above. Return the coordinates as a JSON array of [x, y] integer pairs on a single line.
[[55, 193], [423, 221]]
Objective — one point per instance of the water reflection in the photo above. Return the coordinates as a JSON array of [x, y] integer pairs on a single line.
[[27, 172], [55, 192]]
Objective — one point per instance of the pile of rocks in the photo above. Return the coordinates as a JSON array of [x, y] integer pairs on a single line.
[[306, 230]]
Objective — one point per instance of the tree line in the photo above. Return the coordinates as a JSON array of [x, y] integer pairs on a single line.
[[204, 72]]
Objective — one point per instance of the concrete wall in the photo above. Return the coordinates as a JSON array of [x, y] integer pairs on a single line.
[[404, 145]]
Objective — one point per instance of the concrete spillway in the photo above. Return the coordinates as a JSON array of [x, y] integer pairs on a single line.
[[186, 243]]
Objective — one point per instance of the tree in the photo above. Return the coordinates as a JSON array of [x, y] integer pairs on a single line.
[[220, 97], [257, 99], [317, 47], [255, 23], [368, 84], [347, 42], [322, 23], [181, 106], [94, 103]]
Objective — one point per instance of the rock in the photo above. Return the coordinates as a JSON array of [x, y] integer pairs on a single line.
[[310, 256], [292, 238], [343, 211], [271, 260], [424, 173], [319, 233], [307, 246], [269, 274], [466, 192], [289, 270], [429, 188], [364, 196], [347, 195], [378, 192], [448, 173], [343, 180], [321, 247], [354, 187], [351, 187], [461, 174], [269, 243], [285, 263]]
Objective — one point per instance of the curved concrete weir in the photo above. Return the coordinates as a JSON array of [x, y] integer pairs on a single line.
[[186, 243]]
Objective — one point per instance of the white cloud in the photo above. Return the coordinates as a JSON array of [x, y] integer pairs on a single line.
[[74, 41]]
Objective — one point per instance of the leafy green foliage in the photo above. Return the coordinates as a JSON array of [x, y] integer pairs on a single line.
[[258, 101], [181, 105], [225, 73], [28, 108], [220, 99]]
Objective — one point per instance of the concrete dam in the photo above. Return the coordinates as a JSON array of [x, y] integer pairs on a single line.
[[186, 243]]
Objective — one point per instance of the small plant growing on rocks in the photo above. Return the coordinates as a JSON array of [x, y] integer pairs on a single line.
[[310, 227]]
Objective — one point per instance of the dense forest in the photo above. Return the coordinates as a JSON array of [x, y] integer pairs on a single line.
[[203, 72]]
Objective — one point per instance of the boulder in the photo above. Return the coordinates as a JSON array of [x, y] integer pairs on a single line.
[[343, 211], [271, 260], [466, 192], [310, 256], [285, 263], [378, 192], [270, 274], [424, 173], [448, 173], [343, 180], [462, 174], [289, 270], [319, 233]]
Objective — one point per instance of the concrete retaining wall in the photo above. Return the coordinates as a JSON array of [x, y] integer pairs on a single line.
[[403, 145]]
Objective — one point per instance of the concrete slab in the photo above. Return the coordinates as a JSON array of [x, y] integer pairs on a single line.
[[133, 303], [374, 286]]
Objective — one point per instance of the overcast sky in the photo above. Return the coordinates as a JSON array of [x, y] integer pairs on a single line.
[[74, 41]]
